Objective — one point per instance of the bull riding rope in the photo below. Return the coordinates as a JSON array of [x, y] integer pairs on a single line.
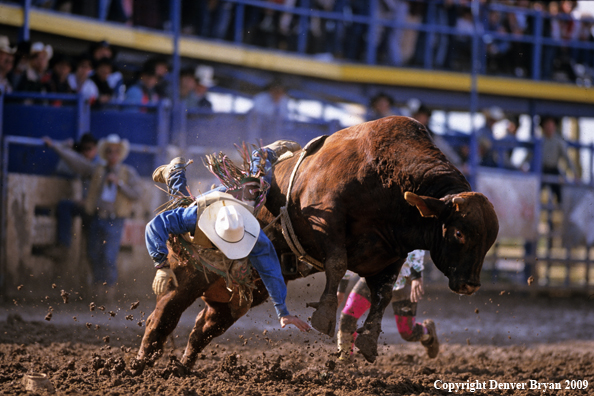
[[287, 226]]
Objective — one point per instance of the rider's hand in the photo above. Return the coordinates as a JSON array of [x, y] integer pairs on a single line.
[[48, 141], [416, 290], [162, 278], [294, 320]]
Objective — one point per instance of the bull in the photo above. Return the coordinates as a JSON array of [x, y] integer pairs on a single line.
[[361, 201]]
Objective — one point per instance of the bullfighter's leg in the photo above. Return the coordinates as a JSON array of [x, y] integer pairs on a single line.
[[380, 287], [324, 318], [357, 304], [404, 312]]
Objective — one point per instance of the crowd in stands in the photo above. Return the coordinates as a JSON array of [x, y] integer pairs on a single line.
[[34, 67], [333, 39]]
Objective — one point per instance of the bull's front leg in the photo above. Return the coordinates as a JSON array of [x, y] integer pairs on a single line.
[[324, 318], [380, 287]]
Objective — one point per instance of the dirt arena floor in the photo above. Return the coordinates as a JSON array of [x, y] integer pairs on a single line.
[[493, 339]]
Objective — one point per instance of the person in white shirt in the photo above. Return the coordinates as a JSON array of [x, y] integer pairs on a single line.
[[80, 82]]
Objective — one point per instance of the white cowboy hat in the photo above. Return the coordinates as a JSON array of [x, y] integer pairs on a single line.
[[230, 227], [39, 47], [495, 113], [113, 139], [5, 45], [205, 75]]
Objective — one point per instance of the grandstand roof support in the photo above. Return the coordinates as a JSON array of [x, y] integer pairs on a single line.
[[474, 99], [177, 112], [24, 32]]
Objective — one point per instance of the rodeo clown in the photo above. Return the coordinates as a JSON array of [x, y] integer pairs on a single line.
[[405, 309], [226, 217]]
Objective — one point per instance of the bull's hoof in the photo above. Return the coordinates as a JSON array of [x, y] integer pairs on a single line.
[[367, 345], [137, 367], [324, 319]]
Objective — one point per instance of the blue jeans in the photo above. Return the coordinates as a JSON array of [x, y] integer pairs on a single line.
[[65, 214], [105, 236], [181, 220]]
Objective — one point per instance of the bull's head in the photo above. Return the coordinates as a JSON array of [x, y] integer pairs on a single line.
[[468, 228]]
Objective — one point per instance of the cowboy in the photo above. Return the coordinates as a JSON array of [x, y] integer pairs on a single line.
[[114, 186], [6, 64], [223, 218]]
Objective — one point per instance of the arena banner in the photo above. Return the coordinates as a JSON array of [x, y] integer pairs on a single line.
[[578, 220], [515, 198]]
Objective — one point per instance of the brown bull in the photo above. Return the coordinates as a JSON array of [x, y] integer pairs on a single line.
[[371, 194], [364, 199]]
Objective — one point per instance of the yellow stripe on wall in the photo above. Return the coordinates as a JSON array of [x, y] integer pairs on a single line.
[[160, 42]]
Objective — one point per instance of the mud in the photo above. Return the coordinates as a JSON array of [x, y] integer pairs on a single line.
[[91, 352]]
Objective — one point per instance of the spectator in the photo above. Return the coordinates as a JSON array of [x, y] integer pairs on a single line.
[[80, 82], [422, 113], [100, 50], [322, 31], [143, 92], [187, 86], [401, 42], [554, 148], [35, 77], [20, 64], [513, 124], [273, 102], [149, 13], [520, 52], [161, 66], [354, 44], [58, 82], [462, 42], [584, 58], [208, 18], [121, 11], [79, 161], [204, 81], [103, 69], [497, 50], [104, 50], [488, 156], [113, 188], [382, 105], [562, 28], [6, 64]]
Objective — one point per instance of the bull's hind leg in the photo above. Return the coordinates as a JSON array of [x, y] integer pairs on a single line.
[[380, 287], [214, 320], [324, 318], [162, 321]]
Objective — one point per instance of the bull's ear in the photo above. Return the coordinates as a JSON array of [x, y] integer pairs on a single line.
[[428, 206]]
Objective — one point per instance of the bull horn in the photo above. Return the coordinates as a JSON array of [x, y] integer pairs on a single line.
[[458, 200]]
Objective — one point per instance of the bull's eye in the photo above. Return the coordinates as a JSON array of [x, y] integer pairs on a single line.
[[459, 236]]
